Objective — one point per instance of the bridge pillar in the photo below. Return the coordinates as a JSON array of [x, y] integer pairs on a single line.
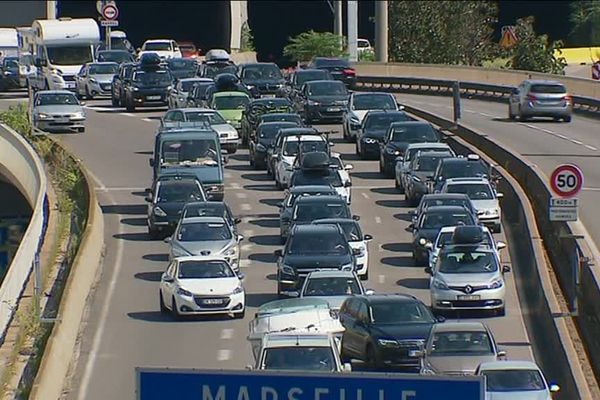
[[239, 17]]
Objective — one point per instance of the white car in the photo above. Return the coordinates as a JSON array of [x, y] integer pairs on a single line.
[[363, 46], [445, 237], [356, 240], [332, 285], [202, 285], [483, 196], [515, 380], [165, 48], [359, 104], [343, 170], [284, 159]]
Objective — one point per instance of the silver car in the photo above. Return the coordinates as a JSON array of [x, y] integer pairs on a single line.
[[179, 93], [203, 236], [333, 286], [95, 79], [515, 380], [540, 98], [457, 348], [57, 110]]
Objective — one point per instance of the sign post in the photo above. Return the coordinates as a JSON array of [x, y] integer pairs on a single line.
[[456, 102], [110, 13]]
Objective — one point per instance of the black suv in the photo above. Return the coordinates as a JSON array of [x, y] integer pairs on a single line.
[[262, 78], [373, 129], [322, 101], [310, 248], [149, 85], [262, 139], [471, 166], [385, 330], [257, 108]]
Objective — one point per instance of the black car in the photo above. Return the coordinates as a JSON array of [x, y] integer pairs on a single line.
[[118, 56], [198, 95], [119, 81], [385, 330], [262, 139], [310, 208], [322, 101], [443, 199], [397, 139], [257, 108], [148, 87], [373, 129], [265, 78], [286, 207], [471, 166], [278, 142], [430, 221], [166, 199], [300, 77], [182, 67], [211, 69], [339, 68], [9, 73], [310, 248], [420, 171]]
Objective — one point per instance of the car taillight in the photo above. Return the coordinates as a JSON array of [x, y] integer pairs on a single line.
[[349, 71], [568, 99], [531, 97]]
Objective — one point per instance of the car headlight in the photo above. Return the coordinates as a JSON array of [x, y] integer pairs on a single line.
[[370, 140], [231, 251], [177, 251], [238, 290], [416, 178], [497, 284], [44, 116], [183, 292], [387, 342], [440, 284], [313, 103], [92, 80], [169, 87], [422, 241], [250, 87], [354, 119], [286, 269], [214, 188], [159, 212], [347, 267], [392, 151], [79, 115], [135, 88]]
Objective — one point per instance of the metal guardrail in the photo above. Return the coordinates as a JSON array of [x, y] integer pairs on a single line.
[[467, 89]]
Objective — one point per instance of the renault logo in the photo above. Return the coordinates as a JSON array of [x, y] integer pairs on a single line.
[[468, 289]]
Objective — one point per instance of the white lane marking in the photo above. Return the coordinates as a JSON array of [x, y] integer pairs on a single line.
[[559, 135], [562, 136], [127, 114], [377, 220], [228, 175], [470, 111], [236, 185], [98, 108], [485, 114], [245, 263], [241, 195], [246, 207], [591, 189], [381, 279], [147, 120], [248, 232], [587, 146], [226, 333], [366, 196], [99, 334], [224, 355], [576, 141], [247, 247], [101, 185]]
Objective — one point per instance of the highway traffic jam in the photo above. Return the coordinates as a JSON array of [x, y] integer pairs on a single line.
[[286, 126]]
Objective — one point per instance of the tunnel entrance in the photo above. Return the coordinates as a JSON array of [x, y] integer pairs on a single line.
[[206, 23]]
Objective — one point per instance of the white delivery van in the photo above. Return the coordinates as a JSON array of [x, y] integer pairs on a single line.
[[61, 47], [9, 46]]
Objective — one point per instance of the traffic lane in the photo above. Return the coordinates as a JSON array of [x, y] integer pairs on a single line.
[[385, 214], [545, 143]]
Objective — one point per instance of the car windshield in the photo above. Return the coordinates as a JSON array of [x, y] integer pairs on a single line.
[[427, 164], [414, 134], [316, 75], [291, 199], [104, 69], [462, 342], [548, 89], [331, 62], [299, 358], [204, 270], [70, 55], [437, 220], [327, 177], [186, 86], [208, 209], [461, 262], [311, 211], [281, 118], [203, 232], [331, 286], [231, 102], [213, 117], [513, 380], [467, 169], [190, 152], [210, 71], [327, 88], [385, 313], [291, 148], [318, 243], [182, 64], [57, 99], [269, 131], [383, 121], [265, 71], [374, 102], [115, 56], [180, 193], [152, 78], [461, 202], [474, 191], [157, 46], [10, 63]]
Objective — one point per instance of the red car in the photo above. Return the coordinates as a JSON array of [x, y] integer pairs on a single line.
[[188, 50]]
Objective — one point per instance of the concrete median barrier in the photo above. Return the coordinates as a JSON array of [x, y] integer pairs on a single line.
[[24, 169]]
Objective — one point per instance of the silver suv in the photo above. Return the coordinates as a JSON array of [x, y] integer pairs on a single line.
[[540, 98]]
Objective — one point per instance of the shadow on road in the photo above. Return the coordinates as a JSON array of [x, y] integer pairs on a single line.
[[414, 283], [125, 209], [149, 276]]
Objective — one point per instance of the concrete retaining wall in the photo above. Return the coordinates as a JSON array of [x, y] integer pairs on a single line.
[[22, 166], [243, 57]]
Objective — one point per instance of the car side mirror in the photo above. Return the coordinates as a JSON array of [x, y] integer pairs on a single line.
[[500, 245], [369, 292], [347, 184], [367, 237], [82, 103], [167, 278], [428, 270], [505, 268], [349, 167], [331, 144], [151, 162], [240, 238], [280, 204], [241, 276], [411, 225], [554, 387], [278, 253], [237, 220], [224, 159], [356, 217], [347, 367], [293, 293], [501, 354], [167, 240], [148, 199], [499, 195], [440, 318]]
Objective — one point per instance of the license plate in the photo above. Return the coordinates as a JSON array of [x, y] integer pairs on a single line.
[[469, 297], [61, 120], [213, 301], [152, 97], [268, 95], [69, 85], [334, 109]]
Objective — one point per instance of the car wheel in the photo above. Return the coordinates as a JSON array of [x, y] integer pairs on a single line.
[[174, 311], [129, 106], [114, 101], [567, 118], [88, 95], [163, 307], [511, 116]]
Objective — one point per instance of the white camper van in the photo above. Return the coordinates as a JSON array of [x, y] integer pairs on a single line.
[[9, 46], [61, 48]]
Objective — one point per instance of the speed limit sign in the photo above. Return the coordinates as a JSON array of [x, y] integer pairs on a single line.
[[566, 180]]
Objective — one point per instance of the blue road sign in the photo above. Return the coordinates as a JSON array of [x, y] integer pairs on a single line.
[[163, 384]]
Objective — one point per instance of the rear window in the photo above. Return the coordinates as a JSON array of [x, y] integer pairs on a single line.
[[549, 89], [331, 62]]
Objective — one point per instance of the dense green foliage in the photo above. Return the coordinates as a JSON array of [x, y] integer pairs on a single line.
[[585, 17], [311, 44], [535, 52]]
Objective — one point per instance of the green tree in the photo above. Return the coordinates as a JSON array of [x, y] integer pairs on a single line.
[[585, 17], [247, 42], [533, 52], [307, 45], [442, 32]]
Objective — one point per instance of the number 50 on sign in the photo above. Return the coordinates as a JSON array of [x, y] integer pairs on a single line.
[[566, 180]]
